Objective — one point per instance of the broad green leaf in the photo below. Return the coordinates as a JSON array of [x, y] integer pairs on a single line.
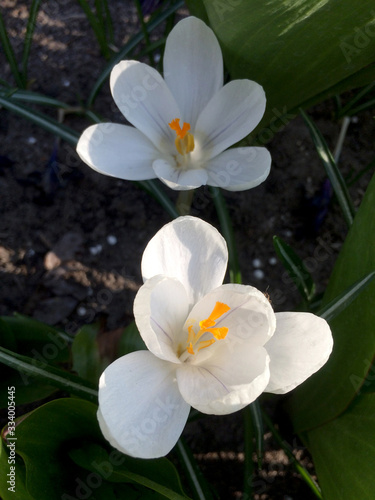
[[342, 301], [38, 341], [343, 452], [157, 475], [300, 51], [85, 351], [42, 440], [296, 268], [338, 184], [66, 457], [327, 393], [7, 492], [31, 367]]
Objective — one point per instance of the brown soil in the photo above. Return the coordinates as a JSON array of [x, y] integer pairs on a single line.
[[71, 240]]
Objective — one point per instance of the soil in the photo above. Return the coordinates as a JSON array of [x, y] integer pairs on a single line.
[[71, 239]]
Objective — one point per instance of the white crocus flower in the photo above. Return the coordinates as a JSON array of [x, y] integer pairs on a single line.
[[211, 346], [184, 122]]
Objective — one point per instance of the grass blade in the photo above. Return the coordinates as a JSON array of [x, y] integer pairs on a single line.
[[35, 4], [334, 174], [296, 268], [9, 53], [33, 98], [333, 308], [50, 374], [97, 28], [128, 47], [197, 482], [44, 121], [298, 466]]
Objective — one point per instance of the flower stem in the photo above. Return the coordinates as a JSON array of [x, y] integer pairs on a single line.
[[227, 230], [184, 201]]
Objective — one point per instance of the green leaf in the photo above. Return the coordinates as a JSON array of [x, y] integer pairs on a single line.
[[296, 268], [6, 462], [97, 27], [49, 374], [329, 392], [33, 98], [343, 452], [9, 54], [130, 340], [31, 23], [66, 457], [300, 52], [334, 174], [86, 358], [44, 437], [342, 301], [40, 119], [129, 47], [154, 474], [197, 481], [38, 341]]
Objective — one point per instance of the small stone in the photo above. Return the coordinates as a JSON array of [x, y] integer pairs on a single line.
[[272, 261], [257, 263], [81, 311], [95, 250], [111, 240], [31, 140], [258, 274]]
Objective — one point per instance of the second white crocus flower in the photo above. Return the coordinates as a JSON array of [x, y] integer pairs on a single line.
[[183, 123], [211, 346]]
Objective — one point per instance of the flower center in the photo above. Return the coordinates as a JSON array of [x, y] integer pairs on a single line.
[[207, 326], [185, 140]]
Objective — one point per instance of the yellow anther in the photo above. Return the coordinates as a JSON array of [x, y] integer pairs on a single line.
[[184, 141], [207, 326]]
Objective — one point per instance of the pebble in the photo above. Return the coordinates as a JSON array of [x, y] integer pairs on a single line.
[[31, 140], [257, 263], [258, 274], [112, 240], [272, 261], [81, 311], [96, 249]]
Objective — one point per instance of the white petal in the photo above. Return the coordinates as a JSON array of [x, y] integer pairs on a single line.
[[193, 66], [178, 179], [238, 169], [160, 311], [190, 250], [300, 346], [250, 320], [141, 411], [118, 150], [146, 102], [231, 380], [230, 116]]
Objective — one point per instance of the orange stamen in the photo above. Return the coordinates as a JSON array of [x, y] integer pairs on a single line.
[[207, 326]]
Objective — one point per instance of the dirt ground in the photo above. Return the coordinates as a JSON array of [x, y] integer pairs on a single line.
[[71, 239]]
